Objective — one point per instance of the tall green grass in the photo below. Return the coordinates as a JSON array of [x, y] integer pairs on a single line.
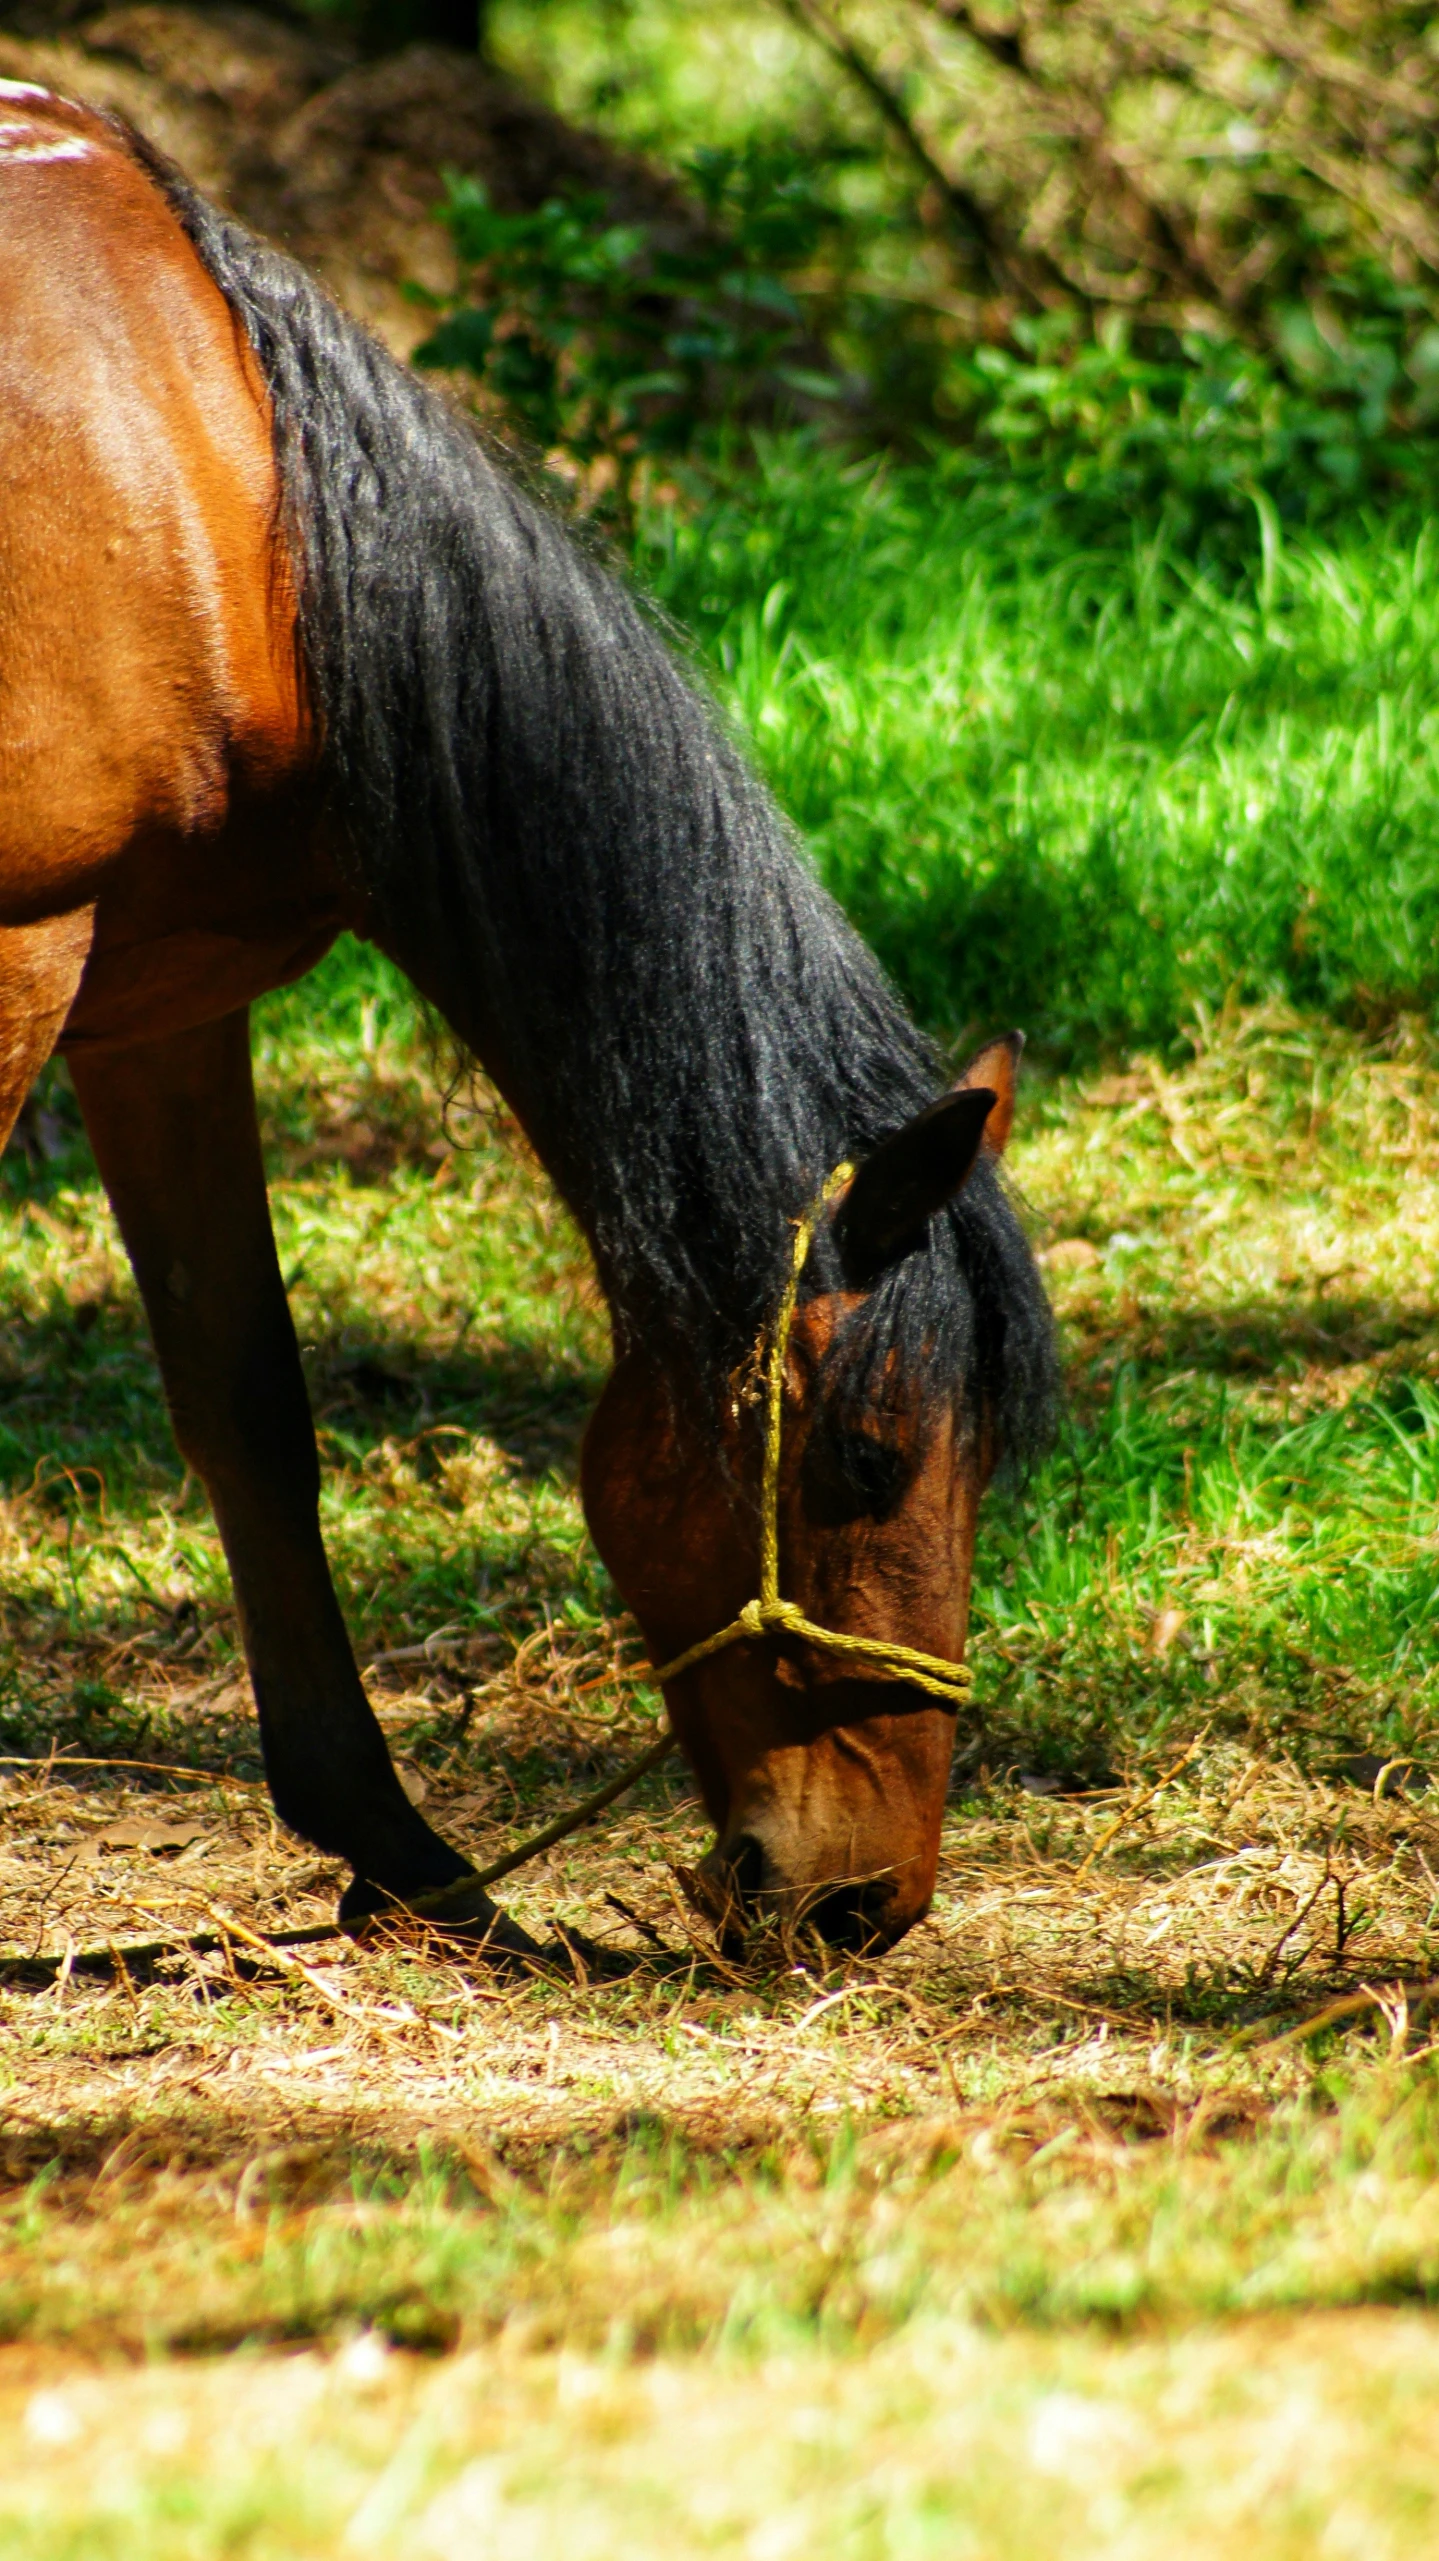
[[1083, 786], [1295, 1552]]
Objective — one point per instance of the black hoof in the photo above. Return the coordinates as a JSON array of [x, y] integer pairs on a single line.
[[461, 1911]]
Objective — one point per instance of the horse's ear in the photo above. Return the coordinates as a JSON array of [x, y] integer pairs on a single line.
[[906, 1179], [996, 1067]]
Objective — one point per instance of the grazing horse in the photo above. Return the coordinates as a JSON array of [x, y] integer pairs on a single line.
[[282, 652]]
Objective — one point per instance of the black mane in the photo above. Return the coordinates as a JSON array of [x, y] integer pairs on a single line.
[[559, 841]]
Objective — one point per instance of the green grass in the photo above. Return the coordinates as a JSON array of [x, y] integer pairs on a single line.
[[1253, 1439], [955, 2341], [947, 2442], [822, 2241], [1083, 788]]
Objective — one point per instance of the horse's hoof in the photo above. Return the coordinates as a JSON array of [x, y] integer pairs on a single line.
[[461, 1911]]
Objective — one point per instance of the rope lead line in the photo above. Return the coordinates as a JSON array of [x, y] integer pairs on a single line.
[[951, 1682]]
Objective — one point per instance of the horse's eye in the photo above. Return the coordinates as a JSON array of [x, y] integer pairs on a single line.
[[847, 1473]]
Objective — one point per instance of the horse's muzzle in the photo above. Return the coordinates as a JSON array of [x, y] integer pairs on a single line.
[[740, 1889]]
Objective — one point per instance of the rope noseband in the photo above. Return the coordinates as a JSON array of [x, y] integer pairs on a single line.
[[951, 1682]]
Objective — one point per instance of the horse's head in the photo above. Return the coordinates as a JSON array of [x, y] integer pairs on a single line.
[[825, 1774]]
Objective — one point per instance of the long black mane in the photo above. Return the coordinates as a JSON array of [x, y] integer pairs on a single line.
[[555, 835]]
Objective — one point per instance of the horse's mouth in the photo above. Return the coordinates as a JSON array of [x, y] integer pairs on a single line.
[[736, 1888], [862, 1919]]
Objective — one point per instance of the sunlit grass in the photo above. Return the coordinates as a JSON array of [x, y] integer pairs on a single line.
[[1082, 789], [952, 2341], [947, 2440], [1239, 1526]]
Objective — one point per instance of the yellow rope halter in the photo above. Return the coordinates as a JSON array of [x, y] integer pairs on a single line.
[[950, 1681]]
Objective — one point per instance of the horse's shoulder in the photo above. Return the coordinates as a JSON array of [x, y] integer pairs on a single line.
[[146, 625], [86, 235], [63, 166]]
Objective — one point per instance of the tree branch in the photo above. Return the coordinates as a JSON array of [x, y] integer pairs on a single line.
[[969, 216], [1082, 119]]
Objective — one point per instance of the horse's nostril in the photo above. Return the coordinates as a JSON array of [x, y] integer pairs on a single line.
[[744, 1858], [736, 1883], [727, 1884], [854, 1917]]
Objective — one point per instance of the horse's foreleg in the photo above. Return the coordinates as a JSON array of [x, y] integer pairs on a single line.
[[40, 968], [174, 1131]]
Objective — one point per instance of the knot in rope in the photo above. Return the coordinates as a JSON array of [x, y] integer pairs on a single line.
[[768, 1613]]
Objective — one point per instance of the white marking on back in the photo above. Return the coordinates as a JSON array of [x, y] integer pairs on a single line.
[[24, 89], [70, 146]]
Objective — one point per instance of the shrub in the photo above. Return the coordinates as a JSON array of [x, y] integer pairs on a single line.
[[612, 349]]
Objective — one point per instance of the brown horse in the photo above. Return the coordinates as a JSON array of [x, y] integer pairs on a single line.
[[281, 653]]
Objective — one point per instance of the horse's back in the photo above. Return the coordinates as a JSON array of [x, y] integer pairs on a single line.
[[146, 632]]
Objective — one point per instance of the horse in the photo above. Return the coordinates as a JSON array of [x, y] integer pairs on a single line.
[[284, 651]]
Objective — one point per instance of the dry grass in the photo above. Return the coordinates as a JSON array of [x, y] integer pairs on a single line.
[[1320, 2439], [1161, 2056]]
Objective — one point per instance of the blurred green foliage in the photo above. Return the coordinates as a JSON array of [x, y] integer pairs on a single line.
[[613, 346], [1204, 439], [1166, 267]]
